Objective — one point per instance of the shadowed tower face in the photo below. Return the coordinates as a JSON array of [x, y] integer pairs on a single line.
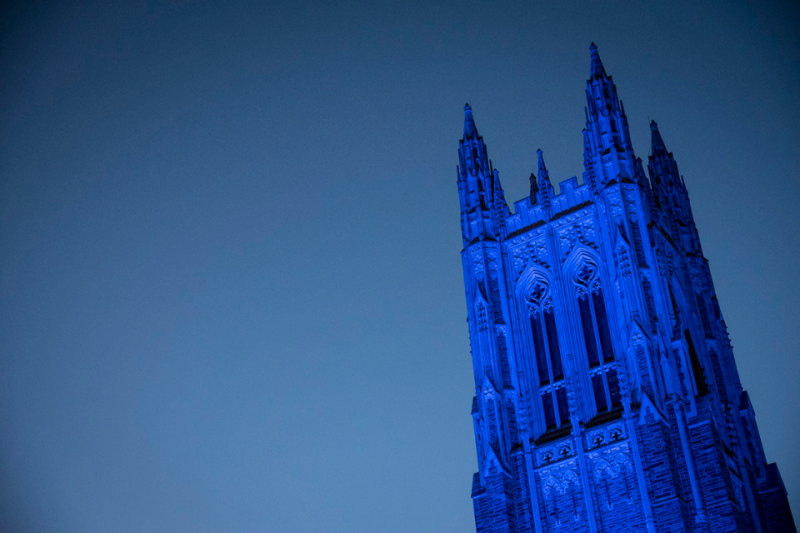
[[607, 396]]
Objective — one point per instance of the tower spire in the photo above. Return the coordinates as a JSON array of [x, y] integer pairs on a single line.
[[545, 188], [597, 65], [608, 154], [483, 205], [656, 142], [601, 92], [543, 174], [670, 194], [469, 123]]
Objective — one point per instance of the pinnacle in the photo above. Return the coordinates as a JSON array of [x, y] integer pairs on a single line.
[[543, 175], [534, 188], [539, 155], [469, 123], [597, 65], [656, 142]]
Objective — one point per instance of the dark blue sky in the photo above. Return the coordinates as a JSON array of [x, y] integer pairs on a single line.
[[230, 283]]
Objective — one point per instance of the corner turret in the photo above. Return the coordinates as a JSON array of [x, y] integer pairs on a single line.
[[608, 153], [670, 194], [483, 205]]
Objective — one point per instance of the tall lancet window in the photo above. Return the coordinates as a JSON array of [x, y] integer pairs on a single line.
[[549, 369], [597, 339]]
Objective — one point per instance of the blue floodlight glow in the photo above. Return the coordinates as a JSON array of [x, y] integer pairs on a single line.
[[607, 395]]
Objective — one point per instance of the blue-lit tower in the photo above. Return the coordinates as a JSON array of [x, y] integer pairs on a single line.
[[606, 394]]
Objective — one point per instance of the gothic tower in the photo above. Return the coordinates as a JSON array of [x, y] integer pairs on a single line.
[[606, 394]]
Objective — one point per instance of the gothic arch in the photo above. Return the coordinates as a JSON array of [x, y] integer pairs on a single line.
[[482, 308], [612, 470], [528, 282], [542, 348], [580, 259], [590, 304]]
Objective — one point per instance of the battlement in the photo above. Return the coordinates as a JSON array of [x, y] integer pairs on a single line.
[[571, 195]]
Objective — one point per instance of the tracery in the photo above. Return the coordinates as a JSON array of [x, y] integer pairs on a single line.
[[549, 366], [597, 338]]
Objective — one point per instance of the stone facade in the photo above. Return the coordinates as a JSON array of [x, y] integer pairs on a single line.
[[607, 397]]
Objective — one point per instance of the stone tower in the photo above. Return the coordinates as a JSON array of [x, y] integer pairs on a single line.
[[607, 396]]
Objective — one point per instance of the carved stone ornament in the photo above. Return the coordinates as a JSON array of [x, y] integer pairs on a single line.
[[572, 398], [605, 435]]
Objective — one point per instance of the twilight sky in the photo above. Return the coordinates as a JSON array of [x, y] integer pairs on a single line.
[[230, 286]]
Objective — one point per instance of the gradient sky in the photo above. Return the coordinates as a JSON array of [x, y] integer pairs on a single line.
[[231, 295]]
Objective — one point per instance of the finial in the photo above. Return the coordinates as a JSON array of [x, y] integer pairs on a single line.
[[469, 123], [544, 184], [597, 65], [542, 168], [656, 142]]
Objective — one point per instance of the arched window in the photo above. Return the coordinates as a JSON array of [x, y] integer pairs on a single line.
[[597, 338], [549, 368]]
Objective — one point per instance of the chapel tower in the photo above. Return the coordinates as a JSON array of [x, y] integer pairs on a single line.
[[606, 394]]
